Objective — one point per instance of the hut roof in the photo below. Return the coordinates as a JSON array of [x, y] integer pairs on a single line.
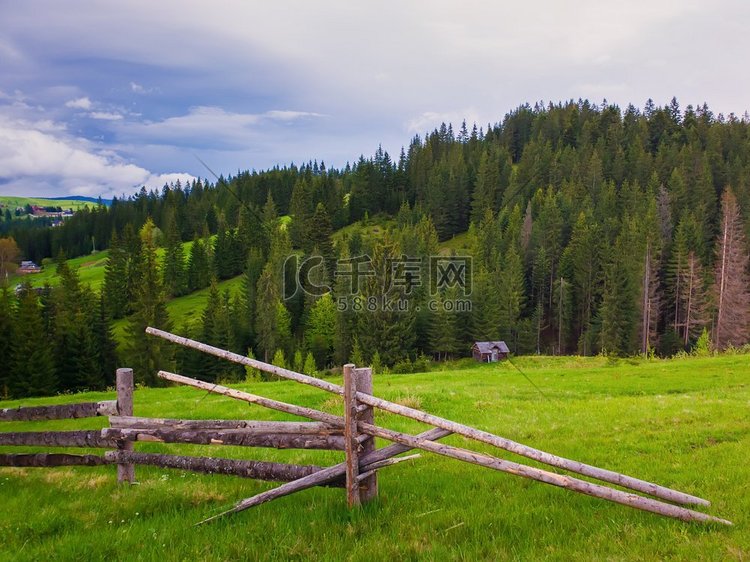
[[488, 346]]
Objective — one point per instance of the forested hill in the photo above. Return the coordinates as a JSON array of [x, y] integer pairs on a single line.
[[591, 229], [581, 151]]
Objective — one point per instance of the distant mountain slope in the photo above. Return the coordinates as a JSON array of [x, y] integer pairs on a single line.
[[72, 202], [79, 198]]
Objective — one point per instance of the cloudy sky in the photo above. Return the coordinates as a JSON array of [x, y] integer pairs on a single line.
[[99, 98]]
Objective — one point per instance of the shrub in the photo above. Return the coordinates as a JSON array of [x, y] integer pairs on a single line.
[[403, 367], [702, 347]]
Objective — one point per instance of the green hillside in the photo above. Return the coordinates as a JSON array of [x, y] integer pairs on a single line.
[[681, 423], [90, 269], [182, 310], [12, 202]]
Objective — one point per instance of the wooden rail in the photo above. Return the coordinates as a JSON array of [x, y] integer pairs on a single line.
[[353, 433], [61, 412], [354, 400], [126, 429], [238, 437], [472, 433]]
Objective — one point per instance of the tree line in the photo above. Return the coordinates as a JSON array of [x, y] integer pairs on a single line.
[[591, 229]]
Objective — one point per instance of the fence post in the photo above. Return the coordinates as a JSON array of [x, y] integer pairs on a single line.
[[368, 488], [125, 472], [350, 436]]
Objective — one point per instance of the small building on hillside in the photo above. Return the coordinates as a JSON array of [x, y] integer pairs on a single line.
[[28, 267], [489, 351]]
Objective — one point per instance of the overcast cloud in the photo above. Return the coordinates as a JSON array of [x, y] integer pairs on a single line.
[[98, 98]]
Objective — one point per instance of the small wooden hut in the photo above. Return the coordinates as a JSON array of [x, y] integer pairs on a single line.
[[489, 351]]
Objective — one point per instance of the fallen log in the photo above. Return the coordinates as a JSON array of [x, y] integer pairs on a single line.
[[567, 482], [237, 437], [482, 436], [333, 474], [85, 438], [562, 481], [59, 412], [248, 426], [44, 460], [257, 470]]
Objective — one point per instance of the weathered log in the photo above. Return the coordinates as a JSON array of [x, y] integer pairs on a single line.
[[373, 468], [351, 444], [460, 429], [242, 360], [258, 470], [536, 454], [237, 437], [124, 385], [84, 438], [44, 460], [562, 481], [248, 426], [522, 470], [333, 474], [253, 399], [368, 487], [59, 412]]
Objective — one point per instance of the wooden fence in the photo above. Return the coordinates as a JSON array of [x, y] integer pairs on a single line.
[[353, 433], [125, 430]]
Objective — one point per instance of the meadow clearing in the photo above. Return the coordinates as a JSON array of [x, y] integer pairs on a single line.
[[682, 423]]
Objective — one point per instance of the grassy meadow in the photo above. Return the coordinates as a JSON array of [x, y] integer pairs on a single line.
[[90, 270], [12, 202], [682, 423]]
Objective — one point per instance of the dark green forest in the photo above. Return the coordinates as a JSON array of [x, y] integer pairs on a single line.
[[591, 230]]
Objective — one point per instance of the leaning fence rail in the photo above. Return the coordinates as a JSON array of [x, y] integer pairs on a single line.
[[360, 399], [353, 433]]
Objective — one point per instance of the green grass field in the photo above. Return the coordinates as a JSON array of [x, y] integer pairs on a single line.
[[12, 202], [681, 423], [90, 270]]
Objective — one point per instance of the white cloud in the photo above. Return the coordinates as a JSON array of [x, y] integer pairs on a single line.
[[35, 156], [285, 115], [364, 74], [209, 124], [79, 103], [105, 116]]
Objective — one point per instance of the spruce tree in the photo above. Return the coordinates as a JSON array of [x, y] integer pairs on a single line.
[[198, 268], [267, 299], [7, 315], [147, 354], [309, 367], [512, 292], [32, 366], [300, 208], [386, 318], [318, 235], [320, 331], [173, 271], [115, 288]]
